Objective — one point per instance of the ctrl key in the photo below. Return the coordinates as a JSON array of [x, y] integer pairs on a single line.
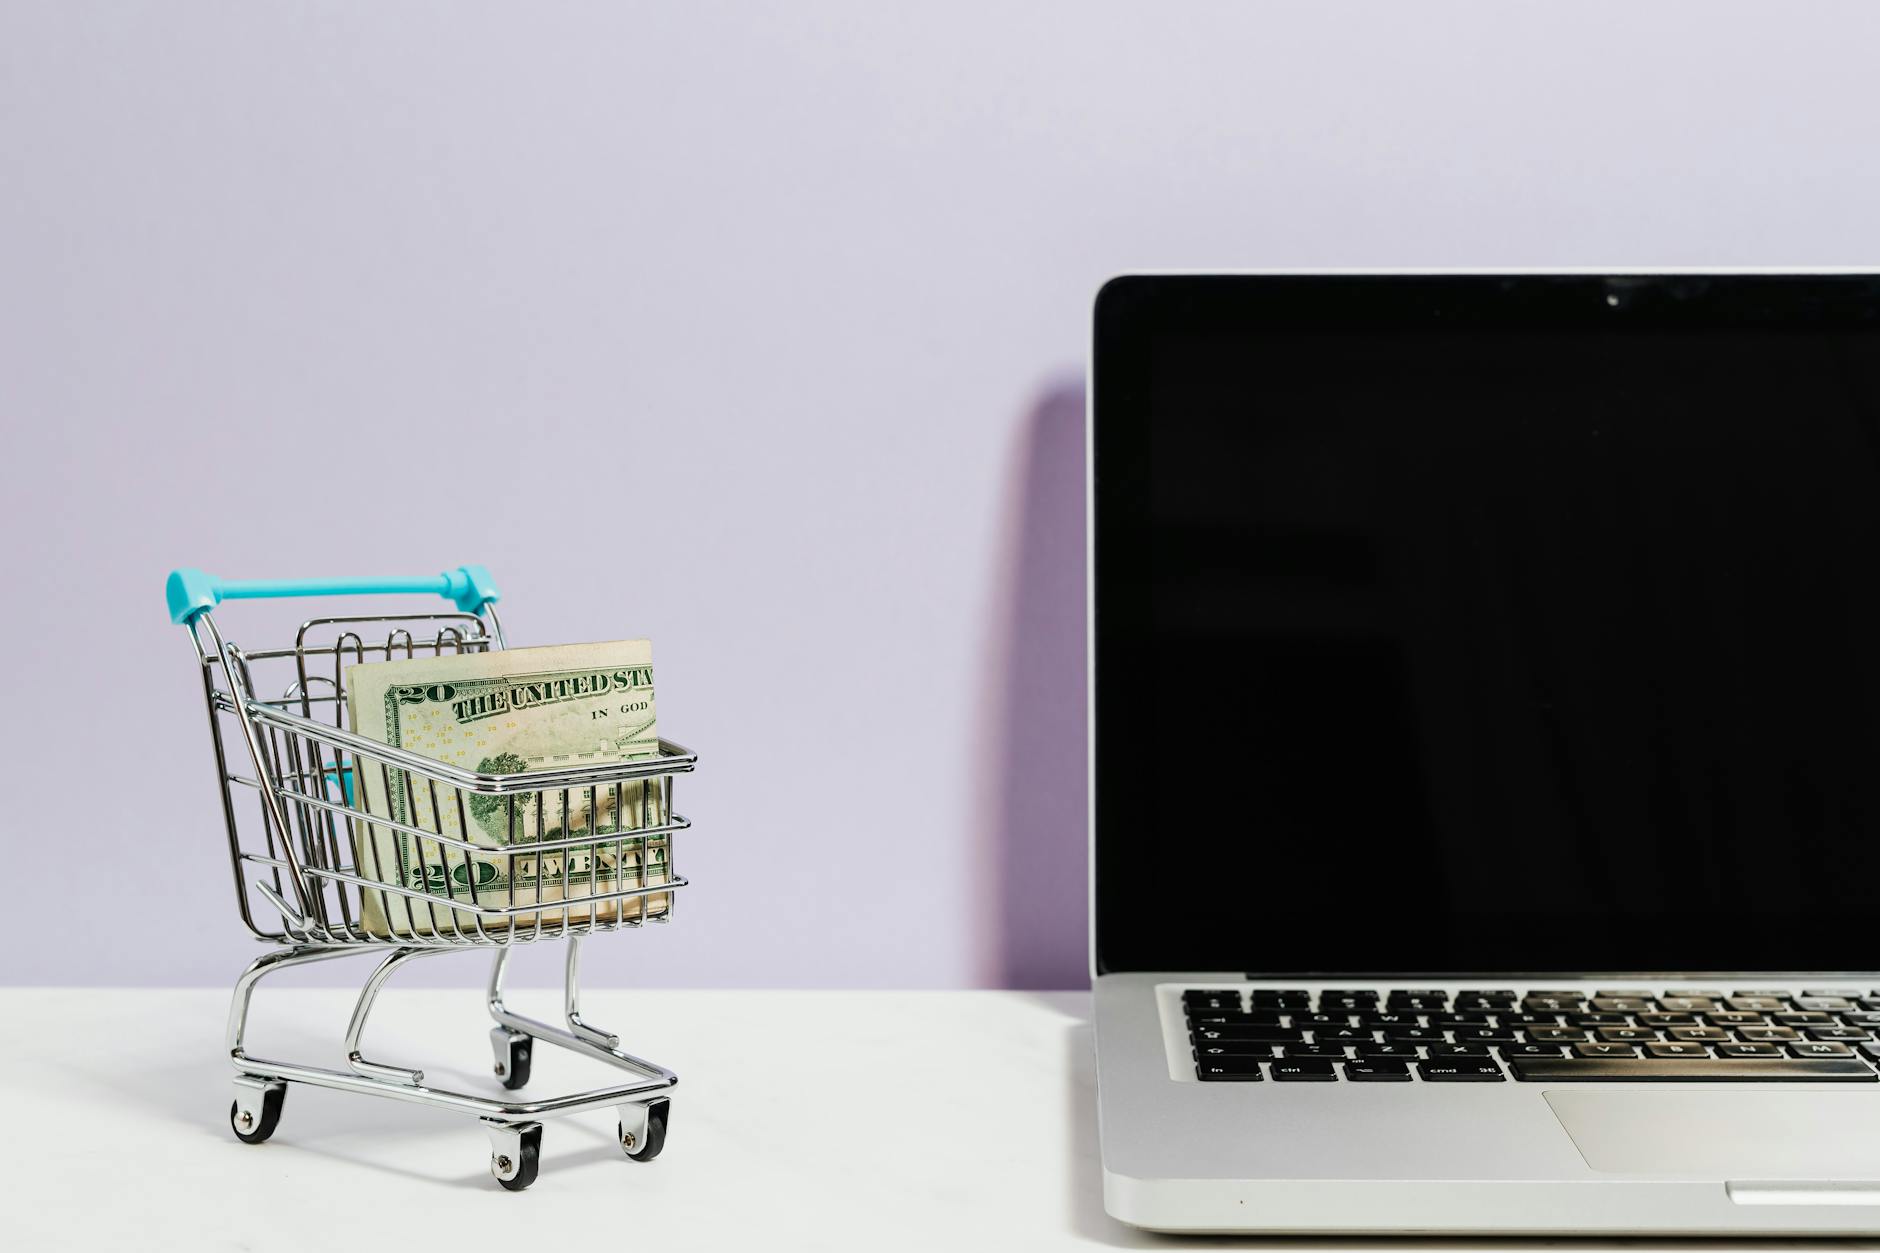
[[1304, 1070], [1228, 1069]]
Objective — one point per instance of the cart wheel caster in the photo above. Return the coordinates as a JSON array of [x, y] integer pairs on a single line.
[[644, 1148], [513, 1053], [518, 1171], [251, 1126]]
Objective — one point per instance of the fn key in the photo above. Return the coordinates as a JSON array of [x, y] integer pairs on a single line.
[[1228, 1070]]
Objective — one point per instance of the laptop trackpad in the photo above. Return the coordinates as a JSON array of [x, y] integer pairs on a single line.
[[1728, 1135]]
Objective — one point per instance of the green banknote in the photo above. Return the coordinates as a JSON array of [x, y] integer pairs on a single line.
[[508, 711]]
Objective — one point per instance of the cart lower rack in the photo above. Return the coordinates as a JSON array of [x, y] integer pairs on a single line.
[[312, 874]]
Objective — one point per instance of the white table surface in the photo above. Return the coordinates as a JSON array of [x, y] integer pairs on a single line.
[[803, 1120]]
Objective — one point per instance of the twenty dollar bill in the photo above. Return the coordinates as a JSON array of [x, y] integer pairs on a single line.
[[508, 711]]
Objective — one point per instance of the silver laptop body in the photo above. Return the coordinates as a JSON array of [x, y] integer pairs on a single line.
[[1482, 743]]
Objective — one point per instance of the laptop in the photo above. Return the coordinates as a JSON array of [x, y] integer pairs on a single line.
[[1486, 752]]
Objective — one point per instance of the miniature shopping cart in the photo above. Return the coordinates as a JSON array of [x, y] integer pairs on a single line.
[[303, 848]]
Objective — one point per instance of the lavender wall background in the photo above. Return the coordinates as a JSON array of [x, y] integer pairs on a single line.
[[796, 293]]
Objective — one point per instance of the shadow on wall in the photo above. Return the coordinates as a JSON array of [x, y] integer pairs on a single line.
[[1041, 809]]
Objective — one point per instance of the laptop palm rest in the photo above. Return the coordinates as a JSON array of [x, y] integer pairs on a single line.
[[1826, 1144]]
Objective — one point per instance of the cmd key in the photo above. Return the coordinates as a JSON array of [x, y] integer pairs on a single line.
[[1459, 1070]]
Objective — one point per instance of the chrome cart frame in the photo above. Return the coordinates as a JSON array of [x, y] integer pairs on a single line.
[[305, 850]]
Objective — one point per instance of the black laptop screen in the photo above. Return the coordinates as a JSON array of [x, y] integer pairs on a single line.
[[1477, 625]]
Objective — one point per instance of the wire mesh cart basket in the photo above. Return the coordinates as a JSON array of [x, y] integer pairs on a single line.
[[307, 856]]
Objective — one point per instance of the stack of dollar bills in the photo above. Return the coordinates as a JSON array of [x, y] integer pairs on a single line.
[[509, 711]]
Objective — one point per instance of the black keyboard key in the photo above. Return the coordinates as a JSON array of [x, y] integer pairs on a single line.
[[1314, 1050], [1599, 1020], [1259, 1035], [1838, 1033], [1695, 1069], [1196, 998], [1385, 1051], [1675, 1048], [1278, 998], [1821, 1048], [1846, 994], [1531, 1050], [1604, 1048], [1627, 1035], [1458, 1050], [1749, 1050], [1328, 1006], [1715, 1035], [1367, 1071], [1233, 1048], [1624, 1004], [1484, 1035], [1551, 1004], [1667, 1020], [1555, 1035], [1815, 1001], [1321, 1020], [1228, 1070], [1803, 1018], [1332, 998], [1347, 1035], [1746, 1003], [1686, 1004], [1459, 1070], [1231, 1018], [1305, 1069], [1767, 1035], [1735, 1018], [1403, 1002]]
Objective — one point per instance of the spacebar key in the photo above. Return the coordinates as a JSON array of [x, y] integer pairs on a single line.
[[1691, 1069]]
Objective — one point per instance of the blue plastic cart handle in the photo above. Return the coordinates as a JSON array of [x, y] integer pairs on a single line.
[[191, 592]]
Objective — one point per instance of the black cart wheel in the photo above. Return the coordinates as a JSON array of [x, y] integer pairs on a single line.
[[658, 1114], [513, 1070], [526, 1166], [271, 1101]]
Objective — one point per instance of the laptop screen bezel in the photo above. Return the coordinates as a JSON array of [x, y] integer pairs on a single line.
[[1132, 311]]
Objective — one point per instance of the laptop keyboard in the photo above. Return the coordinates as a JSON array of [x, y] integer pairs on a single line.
[[1545, 1034]]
